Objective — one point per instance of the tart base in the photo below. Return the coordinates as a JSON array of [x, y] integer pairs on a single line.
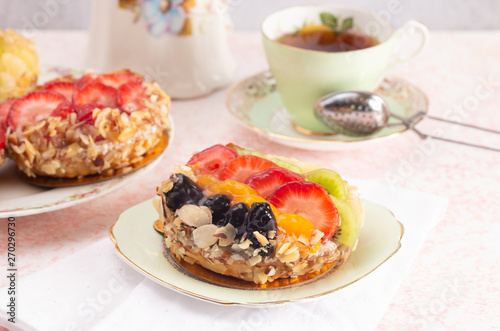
[[224, 262], [53, 182], [201, 270]]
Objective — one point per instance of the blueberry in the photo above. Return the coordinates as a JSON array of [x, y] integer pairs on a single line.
[[219, 204], [260, 218], [184, 192], [236, 215]]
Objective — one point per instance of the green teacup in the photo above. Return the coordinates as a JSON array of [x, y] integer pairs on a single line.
[[303, 75]]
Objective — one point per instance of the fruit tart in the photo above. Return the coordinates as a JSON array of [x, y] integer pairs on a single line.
[[94, 125], [258, 217]]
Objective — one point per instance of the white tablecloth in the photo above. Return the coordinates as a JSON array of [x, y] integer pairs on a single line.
[[95, 289]]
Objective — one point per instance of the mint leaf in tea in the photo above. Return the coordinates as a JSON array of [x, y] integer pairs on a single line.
[[328, 20], [327, 37]]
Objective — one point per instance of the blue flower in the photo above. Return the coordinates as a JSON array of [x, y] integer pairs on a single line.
[[163, 16]]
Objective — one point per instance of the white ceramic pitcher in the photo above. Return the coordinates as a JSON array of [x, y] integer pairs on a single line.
[[181, 44]]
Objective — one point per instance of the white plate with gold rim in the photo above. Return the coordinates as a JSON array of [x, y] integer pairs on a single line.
[[138, 243], [256, 104]]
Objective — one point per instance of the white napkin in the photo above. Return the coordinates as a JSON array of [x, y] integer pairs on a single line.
[[95, 289]]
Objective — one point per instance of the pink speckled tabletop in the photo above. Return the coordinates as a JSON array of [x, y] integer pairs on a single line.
[[454, 283]]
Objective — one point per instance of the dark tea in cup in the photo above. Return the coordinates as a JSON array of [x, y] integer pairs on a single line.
[[332, 48], [328, 36]]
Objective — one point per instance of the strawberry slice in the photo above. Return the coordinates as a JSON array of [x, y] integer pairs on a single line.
[[84, 113], [33, 107], [243, 167], [95, 92], [118, 79], [267, 181], [64, 109], [309, 200], [64, 88], [85, 79], [2, 142], [212, 159], [130, 95], [65, 79], [4, 110]]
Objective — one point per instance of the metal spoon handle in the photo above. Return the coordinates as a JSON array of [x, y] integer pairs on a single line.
[[408, 121], [424, 136], [463, 124], [410, 124]]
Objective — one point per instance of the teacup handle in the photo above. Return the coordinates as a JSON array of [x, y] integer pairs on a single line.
[[409, 28]]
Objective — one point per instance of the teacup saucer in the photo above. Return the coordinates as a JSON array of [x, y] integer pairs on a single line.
[[256, 103]]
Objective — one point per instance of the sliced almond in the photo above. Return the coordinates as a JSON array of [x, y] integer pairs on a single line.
[[216, 252], [291, 250], [227, 234], [186, 170], [181, 251], [260, 277], [204, 236], [303, 239], [260, 238], [245, 244], [271, 271], [195, 216], [299, 267], [283, 248], [254, 260], [316, 236], [177, 222], [189, 259], [156, 204], [166, 186], [236, 248], [290, 257]]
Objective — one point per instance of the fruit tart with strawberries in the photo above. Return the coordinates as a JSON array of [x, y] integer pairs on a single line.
[[99, 124], [258, 217]]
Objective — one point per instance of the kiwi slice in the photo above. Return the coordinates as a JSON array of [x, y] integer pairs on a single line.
[[286, 165], [330, 180], [348, 231]]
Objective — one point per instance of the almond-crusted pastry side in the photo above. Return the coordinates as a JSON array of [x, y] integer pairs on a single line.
[[218, 250]]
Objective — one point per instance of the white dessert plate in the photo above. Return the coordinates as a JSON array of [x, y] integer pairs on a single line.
[[138, 243], [256, 104], [18, 198]]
